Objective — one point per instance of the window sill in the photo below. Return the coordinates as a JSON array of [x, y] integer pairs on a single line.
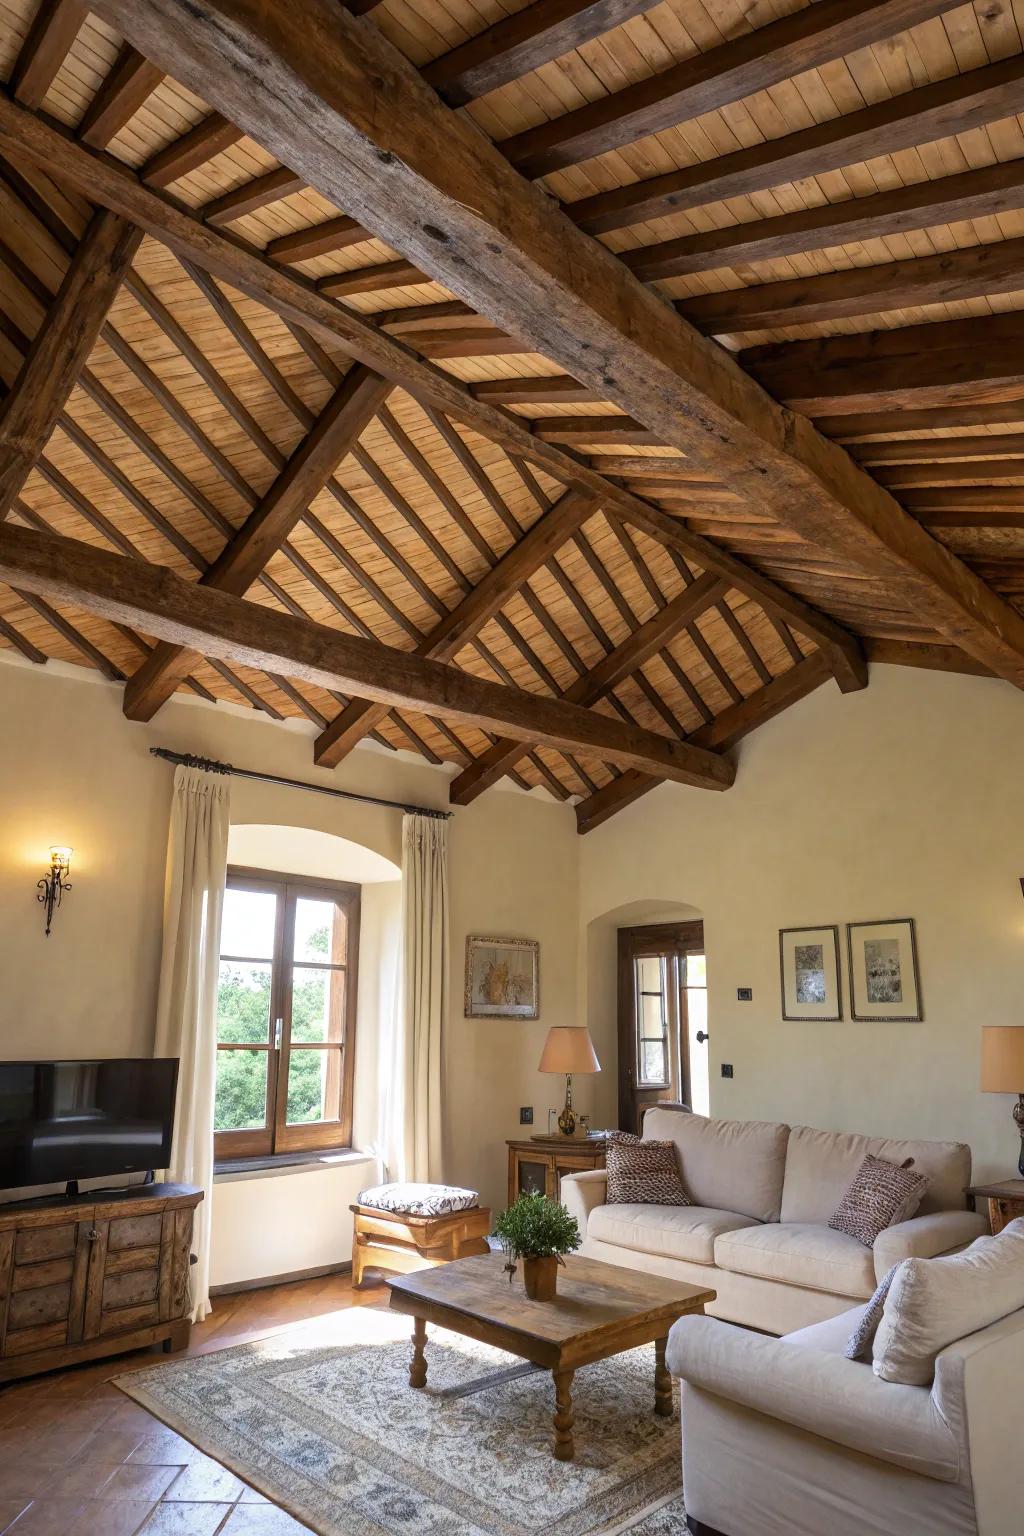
[[286, 1162]]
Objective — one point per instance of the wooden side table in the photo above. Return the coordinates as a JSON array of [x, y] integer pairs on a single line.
[[1005, 1201], [537, 1164]]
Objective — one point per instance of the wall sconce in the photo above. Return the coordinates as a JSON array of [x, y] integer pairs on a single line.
[[53, 885]]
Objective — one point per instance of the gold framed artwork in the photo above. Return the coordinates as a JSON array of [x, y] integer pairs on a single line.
[[885, 981], [809, 963], [502, 978]]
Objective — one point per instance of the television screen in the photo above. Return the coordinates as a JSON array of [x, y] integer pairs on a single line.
[[62, 1120]]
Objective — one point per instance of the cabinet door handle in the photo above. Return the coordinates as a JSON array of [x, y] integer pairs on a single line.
[[93, 1235]]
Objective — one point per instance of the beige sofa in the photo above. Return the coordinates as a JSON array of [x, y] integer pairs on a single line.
[[785, 1437], [759, 1232]]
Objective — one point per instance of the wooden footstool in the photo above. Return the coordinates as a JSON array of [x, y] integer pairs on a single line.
[[404, 1241]]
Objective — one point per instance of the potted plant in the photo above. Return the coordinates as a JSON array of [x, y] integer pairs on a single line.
[[539, 1231]]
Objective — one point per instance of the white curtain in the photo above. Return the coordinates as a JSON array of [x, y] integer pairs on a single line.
[[414, 1132], [186, 1024]]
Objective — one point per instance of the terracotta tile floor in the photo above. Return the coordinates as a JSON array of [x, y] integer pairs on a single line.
[[78, 1458]]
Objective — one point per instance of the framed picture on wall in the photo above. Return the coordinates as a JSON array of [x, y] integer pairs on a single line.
[[884, 979], [809, 962], [502, 978]]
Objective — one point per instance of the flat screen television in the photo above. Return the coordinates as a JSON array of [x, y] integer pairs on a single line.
[[61, 1121]]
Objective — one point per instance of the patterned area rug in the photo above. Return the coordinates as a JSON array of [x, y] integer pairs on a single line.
[[329, 1428]]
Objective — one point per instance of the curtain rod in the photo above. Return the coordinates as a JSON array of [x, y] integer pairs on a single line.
[[210, 765]]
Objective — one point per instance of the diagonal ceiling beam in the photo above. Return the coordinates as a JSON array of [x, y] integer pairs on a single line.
[[337, 429], [491, 593], [723, 732], [131, 80], [754, 61], [49, 41], [329, 96], [160, 603], [621, 663], [61, 347], [106, 181]]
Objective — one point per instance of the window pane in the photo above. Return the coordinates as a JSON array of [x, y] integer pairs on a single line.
[[648, 974], [652, 1016], [314, 1079], [241, 1102], [248, 924], [654, 1062], [320, 931], [318, 1006], [243, 1003], [696, 971]]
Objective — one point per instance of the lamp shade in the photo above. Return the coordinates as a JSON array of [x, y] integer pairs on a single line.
[[1002, 1058], [569, 1048]]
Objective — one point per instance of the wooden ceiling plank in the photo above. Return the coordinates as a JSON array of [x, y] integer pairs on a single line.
[[921, 116], [252, 195], [725, 731], [334, 435], [208, 138], [131, 80], [26, 136], [59, 350], [626, 659], [983, 193], [54, 29], [752, 62], [159, 603], [518, 44]]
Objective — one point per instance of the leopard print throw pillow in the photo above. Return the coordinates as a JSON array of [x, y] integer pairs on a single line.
[[643, 1172], [858, 1345], [881, 1194]]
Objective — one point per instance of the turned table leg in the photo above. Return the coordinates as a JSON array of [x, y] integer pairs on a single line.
[[565, 1448], [418, 1367], [662, 1381]]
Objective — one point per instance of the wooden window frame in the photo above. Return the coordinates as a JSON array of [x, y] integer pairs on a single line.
[[276, 1138]]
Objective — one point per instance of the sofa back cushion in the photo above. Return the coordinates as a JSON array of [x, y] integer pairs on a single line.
[[730, 1165], [821, 1166], [934, 1302]]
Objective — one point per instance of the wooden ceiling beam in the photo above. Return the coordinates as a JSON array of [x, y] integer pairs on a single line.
[[754, 61], [159, 603], [18, 642], [24, 135], [593, 429], [208, 138], [131, 80], [864, 426], [946, 278], [983, 193], [724, 732], [518, 44], [931, 112], [333, 436], [320, 240], [627, 658], [557, 390], [446, 639], [252, 195], [985, 474], [374, 279], [54, 29], [61, 347], [925, 451], [933, 658]]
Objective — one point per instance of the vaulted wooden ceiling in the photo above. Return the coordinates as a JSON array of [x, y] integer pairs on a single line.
[[314, 307]]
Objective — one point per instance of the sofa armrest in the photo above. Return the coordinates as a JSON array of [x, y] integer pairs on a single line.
[[825, 1394], [581, 1192], [975, 1379], [925, 1236]]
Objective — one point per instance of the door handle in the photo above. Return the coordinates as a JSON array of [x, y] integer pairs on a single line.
[[702, 1036]]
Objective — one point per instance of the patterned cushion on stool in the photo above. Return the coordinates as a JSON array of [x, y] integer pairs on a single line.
[[419, 1199]]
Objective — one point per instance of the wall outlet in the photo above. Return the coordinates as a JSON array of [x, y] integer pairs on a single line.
[[727, 1069], [744, 994], [526, 1115]]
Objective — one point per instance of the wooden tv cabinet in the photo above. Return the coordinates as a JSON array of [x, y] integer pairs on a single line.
[[94, 1275]]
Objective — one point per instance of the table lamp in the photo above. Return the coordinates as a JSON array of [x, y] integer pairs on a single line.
[[568, 1048], [1002, 1069]]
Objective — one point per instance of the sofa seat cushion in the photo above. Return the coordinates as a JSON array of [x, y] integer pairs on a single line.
[[799, 1253], [671, 1231]]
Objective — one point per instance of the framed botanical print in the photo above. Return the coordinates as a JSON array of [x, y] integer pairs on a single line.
[[884, 979], [809, 961], [502, 978]]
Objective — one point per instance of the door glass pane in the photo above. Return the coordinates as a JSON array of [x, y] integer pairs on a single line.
[[321, 931], [532, 1178], [648, 971], [654, 1061], [248, 924], [313, 1086], [318, 1005], [243, 1002], [241, 1100], [696, 971], [652, 1016]]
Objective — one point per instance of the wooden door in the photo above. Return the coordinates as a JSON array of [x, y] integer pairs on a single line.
[[42, 1280], [654, 1046], [125, 1263]]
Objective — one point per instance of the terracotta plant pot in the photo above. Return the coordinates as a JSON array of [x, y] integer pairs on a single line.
[[540, 1277]]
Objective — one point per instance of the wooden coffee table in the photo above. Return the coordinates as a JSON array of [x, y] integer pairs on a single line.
[[600, 1310]]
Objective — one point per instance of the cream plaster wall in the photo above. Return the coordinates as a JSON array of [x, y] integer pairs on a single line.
[[901, 800]]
